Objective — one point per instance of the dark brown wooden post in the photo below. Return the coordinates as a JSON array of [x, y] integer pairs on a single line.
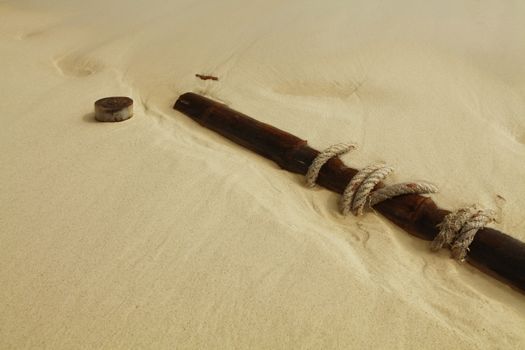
[[492, 251]]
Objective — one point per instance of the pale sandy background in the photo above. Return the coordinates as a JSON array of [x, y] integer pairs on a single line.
[[155, 233]]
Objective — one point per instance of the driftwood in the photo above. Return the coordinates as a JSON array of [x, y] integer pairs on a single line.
[[491, 251], [206, 77]]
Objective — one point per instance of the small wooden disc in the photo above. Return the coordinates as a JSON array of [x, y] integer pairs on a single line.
[[113, 109]]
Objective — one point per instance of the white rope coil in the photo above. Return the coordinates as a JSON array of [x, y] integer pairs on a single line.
[[358, 189], [323, 157], [392, 191], [459, 228], [359, 192]]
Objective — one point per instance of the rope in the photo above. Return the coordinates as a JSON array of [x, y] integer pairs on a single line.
[[388, 192], [359, 192], [459, 228], [323, 157]]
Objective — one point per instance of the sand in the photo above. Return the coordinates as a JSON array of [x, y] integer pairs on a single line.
[[156, 233]]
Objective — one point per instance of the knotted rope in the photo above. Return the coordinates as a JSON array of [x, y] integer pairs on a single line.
[[459, 228], [359, 192]]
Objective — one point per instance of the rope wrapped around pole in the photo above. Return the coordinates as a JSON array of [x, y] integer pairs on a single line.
[[459, 228], [492, 251], [359, 193]]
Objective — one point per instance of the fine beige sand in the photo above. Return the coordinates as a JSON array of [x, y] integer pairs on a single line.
[[155, 233]]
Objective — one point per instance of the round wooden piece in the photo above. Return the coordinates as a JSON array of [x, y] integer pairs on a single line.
[[113, 109]]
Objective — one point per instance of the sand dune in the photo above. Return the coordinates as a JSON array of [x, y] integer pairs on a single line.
[[156, 233]]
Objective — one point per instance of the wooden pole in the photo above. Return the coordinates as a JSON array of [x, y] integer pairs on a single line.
[[491, 251]]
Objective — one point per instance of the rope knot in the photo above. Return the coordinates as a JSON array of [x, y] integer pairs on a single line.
[[459, 228]]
